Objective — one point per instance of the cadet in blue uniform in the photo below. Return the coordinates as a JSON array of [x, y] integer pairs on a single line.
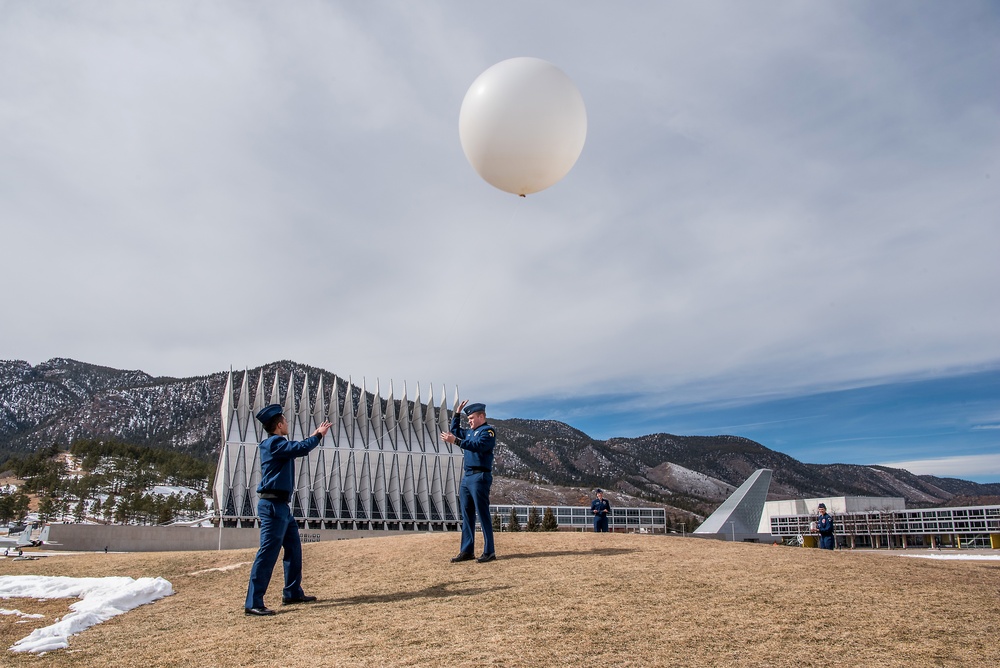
[[477, 443], [601, 509], [824, 525], [277, 527]]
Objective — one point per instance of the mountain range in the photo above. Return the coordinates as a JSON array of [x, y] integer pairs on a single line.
[[537, 461]]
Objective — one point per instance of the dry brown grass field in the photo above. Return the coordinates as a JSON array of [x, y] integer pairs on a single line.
[[563, 599]]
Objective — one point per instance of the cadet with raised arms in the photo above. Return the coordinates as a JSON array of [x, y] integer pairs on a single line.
[[477, 443], [278, 529]]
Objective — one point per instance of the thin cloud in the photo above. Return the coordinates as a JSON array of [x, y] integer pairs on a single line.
[[964, 466], [769, 201]]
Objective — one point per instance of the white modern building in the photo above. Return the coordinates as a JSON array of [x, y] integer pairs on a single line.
[[580, 518], [859, 521], [835, 505], [959, 527], [382, 466]]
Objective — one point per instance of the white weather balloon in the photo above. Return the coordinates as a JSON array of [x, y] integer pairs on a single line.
[[523, 125]]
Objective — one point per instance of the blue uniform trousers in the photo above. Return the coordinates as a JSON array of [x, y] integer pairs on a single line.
[[826, 542], [277, 530], [601, 523], [474, 497]]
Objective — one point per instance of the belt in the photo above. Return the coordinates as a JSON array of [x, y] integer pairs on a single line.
[[479, 469], [275, 495]]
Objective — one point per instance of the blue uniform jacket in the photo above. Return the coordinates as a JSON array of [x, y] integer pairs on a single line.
[[825, 525], [599, 505], [477, 444], [277, 462]]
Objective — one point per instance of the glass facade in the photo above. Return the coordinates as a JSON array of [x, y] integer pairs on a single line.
[[635, 520], [963, 527]]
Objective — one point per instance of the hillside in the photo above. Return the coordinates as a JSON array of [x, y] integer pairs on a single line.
[[550, 599], [61, 401]]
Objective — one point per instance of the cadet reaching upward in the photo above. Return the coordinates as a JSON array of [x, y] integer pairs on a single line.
[[477, 443]]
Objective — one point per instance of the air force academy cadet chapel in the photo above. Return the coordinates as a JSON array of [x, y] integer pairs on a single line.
[[381, 467]]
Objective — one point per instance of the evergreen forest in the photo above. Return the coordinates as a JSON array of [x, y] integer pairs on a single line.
[[108, 482]]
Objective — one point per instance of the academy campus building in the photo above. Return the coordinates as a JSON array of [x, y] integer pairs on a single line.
[[859, 521]]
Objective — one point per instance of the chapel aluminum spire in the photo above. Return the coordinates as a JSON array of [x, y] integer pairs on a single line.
[[381, 466]]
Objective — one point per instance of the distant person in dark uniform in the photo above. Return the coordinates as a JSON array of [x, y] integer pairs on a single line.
[[278, 529], [824, 525], [601, 508], [477, 443]]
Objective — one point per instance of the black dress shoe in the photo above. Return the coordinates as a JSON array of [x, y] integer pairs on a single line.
[[462, 556], [258, 612], [492, 556], [300, 599]]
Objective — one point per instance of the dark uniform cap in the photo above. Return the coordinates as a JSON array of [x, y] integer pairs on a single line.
[[823, 506], [600, 491], [475, 408], [267, 413]]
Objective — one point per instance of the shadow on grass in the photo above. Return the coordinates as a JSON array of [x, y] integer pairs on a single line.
[[443, 590], [597, 551]]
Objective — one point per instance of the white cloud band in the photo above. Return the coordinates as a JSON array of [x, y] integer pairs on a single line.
[[966, 466]]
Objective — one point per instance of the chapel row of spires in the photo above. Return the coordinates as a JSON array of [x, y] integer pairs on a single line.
[[356, 410]]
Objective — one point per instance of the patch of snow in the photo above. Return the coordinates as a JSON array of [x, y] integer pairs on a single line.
[[221, 569], [18, 613], [167, 490], [101, 599], [956, 557]]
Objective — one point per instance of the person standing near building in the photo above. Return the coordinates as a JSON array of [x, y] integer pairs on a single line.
[[601, 508], [477, 444], [278, 529], [824, 525]]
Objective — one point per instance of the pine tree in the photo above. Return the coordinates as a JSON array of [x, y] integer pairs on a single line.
[[21, 505], [47, 509], [109, 508], [123, 510], [497, 523], [6, 508], [533, 523], [549, 522], [512, 523]]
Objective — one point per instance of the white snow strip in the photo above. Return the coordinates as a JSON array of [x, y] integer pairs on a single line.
[[167, 490], [956, 557], [221, 569], [4, 611], [100, 600]]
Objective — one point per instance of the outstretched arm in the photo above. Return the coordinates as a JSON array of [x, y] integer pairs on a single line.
[[457, 433]]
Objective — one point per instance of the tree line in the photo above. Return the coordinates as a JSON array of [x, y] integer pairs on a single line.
[[535, 523], [111, 484]]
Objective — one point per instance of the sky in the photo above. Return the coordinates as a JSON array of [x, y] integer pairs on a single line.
[[778, 205]]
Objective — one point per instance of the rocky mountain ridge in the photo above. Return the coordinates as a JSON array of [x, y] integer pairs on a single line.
[[62, 400]]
